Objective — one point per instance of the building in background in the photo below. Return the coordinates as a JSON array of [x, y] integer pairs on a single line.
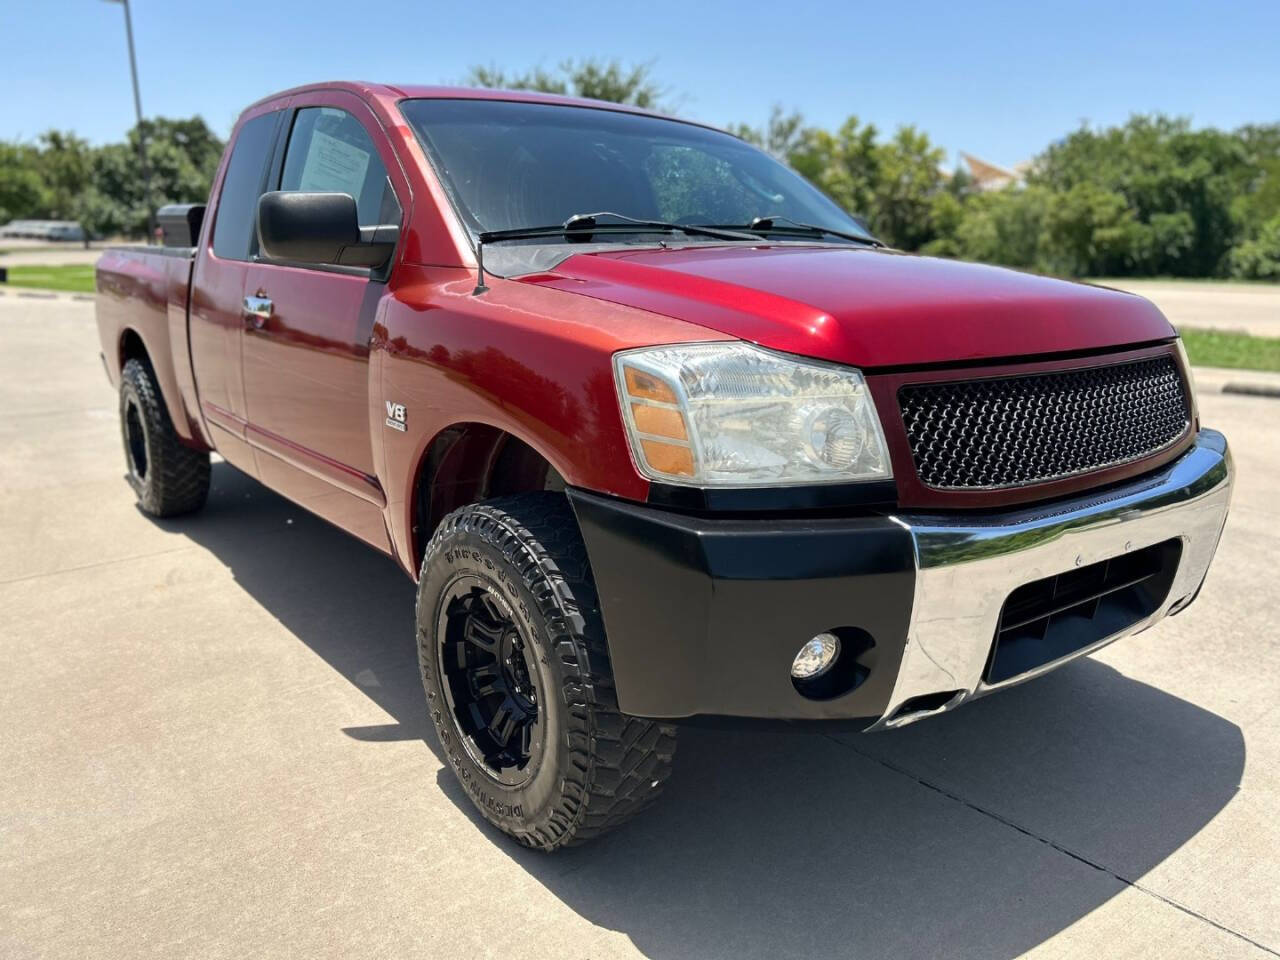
[[988, 176]]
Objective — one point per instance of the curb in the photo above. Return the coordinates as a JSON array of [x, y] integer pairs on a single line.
[[1240, 382], [35, 293], [1252, 390]]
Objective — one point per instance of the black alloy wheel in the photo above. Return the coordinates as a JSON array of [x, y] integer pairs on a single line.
[[168, 476], [519, 688], [135, 440], [491, 690]]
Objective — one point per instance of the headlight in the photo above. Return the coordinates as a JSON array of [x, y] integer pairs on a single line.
[[733, 415]]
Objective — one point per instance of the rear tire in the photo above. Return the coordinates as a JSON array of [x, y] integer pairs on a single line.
[[517, 677], [168, 478]]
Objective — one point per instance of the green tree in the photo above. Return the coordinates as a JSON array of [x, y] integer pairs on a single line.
[[1156, 196], [781, 135], [1090, 230], [1257, 200], [62, 177], [23, 192], [1002, 226], [65, 164], [909, 178], [1259, 258], [947, 213], [609, 80], [495, 78], [844, 164], [892, 184], [114, 205], [182, 156]]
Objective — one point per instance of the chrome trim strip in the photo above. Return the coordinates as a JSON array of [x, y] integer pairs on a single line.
[[966, 566]]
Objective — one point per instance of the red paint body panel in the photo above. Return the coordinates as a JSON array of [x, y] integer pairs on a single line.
[[147, 295], [215, 326], [300, 401], [307, 393], [529, 361]]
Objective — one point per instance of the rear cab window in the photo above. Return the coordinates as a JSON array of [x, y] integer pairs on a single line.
[[234, 233]]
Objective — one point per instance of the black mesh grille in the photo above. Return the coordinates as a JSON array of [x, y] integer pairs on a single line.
[[1041, 427]]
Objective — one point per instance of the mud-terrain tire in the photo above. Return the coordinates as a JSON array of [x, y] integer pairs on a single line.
[[168, 478], [510, 640]]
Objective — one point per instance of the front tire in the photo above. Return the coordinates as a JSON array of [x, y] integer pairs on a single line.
[[517, 677], [168, 478]]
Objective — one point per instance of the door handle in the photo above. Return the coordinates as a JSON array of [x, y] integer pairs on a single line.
[[257, 310]]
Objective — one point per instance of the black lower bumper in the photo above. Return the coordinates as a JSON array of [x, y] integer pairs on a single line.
[[705, 615]]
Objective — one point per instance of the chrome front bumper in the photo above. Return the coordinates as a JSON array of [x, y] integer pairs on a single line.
[[966, 568]]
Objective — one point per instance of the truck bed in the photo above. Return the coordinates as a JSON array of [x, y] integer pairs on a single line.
[[143, 296]]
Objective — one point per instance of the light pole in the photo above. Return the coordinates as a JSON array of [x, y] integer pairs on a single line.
[[142, 135]]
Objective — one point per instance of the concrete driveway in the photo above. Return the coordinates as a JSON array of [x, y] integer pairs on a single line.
[[213, 744]]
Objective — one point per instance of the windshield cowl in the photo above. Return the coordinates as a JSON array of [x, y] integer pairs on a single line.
[[523, 257]]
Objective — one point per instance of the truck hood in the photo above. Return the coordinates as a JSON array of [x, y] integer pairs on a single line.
[[863, 307]]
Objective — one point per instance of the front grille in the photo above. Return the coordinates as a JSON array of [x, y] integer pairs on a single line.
[[1012, 431], [1049, 619]]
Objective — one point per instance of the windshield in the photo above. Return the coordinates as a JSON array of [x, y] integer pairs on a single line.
[[510, 165]]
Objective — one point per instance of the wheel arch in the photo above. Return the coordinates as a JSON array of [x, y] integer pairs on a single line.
[[466, 462], [131, 346]]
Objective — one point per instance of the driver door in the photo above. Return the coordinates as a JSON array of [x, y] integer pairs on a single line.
[[305, 351]]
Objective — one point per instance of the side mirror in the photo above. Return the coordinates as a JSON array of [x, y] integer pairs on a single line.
[[321, 228]]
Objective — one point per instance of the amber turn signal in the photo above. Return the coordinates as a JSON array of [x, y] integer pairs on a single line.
[[668, 458], [659, 421], [645, 386]]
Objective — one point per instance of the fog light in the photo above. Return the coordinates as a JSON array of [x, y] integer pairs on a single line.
[[816, 656]]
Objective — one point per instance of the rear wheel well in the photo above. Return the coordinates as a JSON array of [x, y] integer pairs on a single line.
[[132, 348], [469, 462]]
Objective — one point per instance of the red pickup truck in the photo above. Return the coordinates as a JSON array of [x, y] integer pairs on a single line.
[[661, 433]]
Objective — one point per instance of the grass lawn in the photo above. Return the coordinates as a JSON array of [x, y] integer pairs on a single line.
[[1214, 348], [74, 278]]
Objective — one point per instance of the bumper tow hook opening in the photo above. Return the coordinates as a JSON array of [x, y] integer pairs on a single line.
[[923, 705]]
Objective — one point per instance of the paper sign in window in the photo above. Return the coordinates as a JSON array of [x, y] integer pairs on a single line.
[[333, 166]]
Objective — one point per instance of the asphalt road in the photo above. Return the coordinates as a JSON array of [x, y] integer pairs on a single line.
[[213, 744]]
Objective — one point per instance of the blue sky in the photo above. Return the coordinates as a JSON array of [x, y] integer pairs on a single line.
[[997, 80]]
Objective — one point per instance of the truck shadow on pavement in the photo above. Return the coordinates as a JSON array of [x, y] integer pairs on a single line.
[[983, 833]]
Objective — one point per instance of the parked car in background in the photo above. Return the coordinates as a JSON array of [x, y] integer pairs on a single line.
[[57, 230], [66, 232], [661, 433]]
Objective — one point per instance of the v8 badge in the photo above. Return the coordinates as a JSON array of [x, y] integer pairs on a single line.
[[396, 416]]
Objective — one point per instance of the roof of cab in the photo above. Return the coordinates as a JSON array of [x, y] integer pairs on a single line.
[[392, 92]]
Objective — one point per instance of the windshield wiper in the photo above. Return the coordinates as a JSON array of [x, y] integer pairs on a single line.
[[583, 226], [762, 226]]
